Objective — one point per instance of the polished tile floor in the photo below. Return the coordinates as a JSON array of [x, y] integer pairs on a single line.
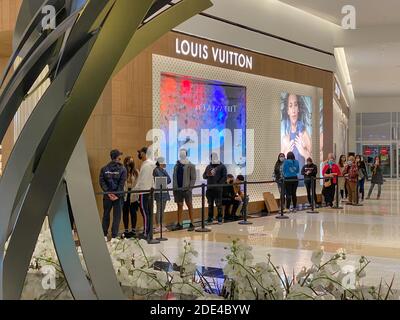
[[371, 230]]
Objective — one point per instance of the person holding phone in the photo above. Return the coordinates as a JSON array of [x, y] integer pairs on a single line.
[[215, 174], [377, 178], [112, 179], [310, 171]]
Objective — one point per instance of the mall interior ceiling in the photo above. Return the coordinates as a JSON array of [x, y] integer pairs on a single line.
[[371, 46]]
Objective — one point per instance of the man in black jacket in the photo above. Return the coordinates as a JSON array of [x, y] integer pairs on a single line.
[[112, 179], [215, 173], [228, 195], [310, 171]]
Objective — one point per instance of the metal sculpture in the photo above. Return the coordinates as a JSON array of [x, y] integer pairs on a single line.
[[92, 41]]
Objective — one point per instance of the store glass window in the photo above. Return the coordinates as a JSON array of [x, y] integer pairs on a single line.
[[376, 126], [358, 126]]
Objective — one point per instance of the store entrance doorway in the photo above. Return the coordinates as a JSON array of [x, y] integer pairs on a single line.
[[389, 158]]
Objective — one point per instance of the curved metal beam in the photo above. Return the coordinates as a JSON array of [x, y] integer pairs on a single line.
[[64, 244]]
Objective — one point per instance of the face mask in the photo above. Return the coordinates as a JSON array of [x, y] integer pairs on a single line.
[[281, 159], [182, 155], [350, 163], [215, 159], [309, 163], [330, 162]]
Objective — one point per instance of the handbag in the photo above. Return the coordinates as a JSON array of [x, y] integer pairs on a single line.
[[328, 182]]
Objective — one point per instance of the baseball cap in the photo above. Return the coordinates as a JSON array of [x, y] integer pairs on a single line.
[[161, 160], [114, 154]]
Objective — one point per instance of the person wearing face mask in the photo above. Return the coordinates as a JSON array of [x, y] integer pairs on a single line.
[[112, 179], [341, 181], [145, 182], [278, 171], [215, 174], [331, 172], [310, 171], [351, 174], [184, 177], [161, 200], [291, 169], [228, 195], [377, 178], [131, 201], [362, 176]]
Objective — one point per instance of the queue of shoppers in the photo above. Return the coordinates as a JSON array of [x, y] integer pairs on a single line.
[[127, 189]]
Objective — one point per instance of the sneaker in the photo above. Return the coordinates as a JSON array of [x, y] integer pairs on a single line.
[[210, 221], [178, 227], [220, 222], [130, 234], [142, 236], [191, 228]]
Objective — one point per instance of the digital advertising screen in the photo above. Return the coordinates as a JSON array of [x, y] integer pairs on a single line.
[[296, 126], [203, 116]]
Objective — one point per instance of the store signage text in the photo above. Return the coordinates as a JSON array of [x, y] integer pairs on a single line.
[[218, 55]]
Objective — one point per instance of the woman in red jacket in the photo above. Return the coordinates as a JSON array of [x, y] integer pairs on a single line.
[[331, 172]]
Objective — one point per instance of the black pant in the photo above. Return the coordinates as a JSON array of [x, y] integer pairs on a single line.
[[309, 184], [144, 201], [291, 193], [214, 196], [329, 194], [231, 207], [116, 206], [130, 209]]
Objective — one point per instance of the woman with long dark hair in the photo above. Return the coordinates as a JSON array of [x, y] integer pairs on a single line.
[[377, 177], [362, 176], [296, 119], [291, 170], [131, 201], [278, 171], [342, 181]]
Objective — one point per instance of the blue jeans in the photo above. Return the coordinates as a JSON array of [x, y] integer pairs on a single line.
[[361, 188], [116, 206]]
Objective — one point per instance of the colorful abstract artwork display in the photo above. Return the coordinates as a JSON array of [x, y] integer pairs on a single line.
[[191, 108]]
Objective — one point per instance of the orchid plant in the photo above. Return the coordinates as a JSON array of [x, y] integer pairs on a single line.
[[136, 269]]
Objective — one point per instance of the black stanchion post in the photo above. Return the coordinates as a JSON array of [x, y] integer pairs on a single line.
[[203, 205], [161, 213], [338, 206], [245, 222], [150, 239], [313, 189], [282, 214]]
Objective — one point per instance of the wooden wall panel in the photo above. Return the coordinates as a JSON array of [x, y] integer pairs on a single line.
[[8, 13]]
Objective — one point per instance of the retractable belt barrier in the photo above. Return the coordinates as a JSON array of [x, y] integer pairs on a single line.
[[245, 184]]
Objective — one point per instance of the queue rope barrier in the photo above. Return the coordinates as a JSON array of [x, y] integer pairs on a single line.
[[338, 206], [161, 214], [244, 209], [150, 239], [203, 228], [313, 196]]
